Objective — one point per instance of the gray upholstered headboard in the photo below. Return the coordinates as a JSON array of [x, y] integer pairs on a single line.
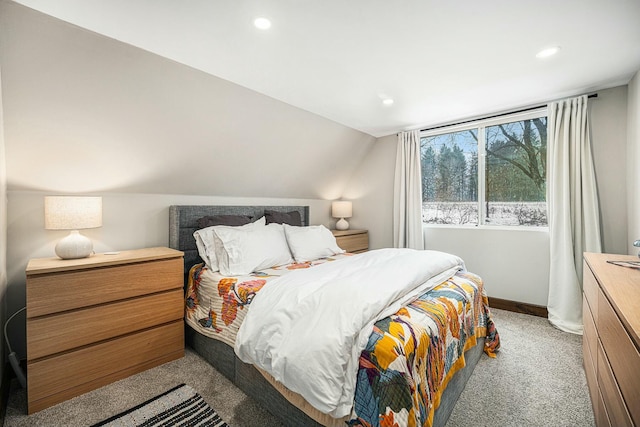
[[183, 221]]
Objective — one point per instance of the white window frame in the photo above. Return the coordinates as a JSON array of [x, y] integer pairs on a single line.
[[481, 125]]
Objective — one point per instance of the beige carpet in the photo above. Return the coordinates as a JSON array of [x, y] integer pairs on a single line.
[[536, 380]]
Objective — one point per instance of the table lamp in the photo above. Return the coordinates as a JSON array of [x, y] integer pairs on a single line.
[[73, 213], [341, 209]]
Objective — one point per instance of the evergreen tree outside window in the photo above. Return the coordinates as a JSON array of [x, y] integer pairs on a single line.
[[449, 178], [491, 172]]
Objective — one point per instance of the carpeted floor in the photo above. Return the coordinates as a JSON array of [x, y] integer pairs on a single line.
[[536, 380]]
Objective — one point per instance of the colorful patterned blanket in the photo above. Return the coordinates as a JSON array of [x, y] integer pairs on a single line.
[[409, 358], [215, 305], [412, 355]]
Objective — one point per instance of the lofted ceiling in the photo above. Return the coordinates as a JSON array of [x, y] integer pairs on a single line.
[[439, 61]]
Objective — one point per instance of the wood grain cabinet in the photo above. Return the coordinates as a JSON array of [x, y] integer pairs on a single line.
[[611, 340], [354, 241], [95, 320]]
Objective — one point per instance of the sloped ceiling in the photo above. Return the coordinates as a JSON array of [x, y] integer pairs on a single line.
[[86, 113], [440, 61]]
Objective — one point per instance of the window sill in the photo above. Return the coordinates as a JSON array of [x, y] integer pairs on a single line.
[[489, 227]]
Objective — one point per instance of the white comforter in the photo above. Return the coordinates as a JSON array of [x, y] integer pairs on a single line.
[[308, 328]]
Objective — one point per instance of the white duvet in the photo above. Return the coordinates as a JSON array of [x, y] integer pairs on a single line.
[[308, 328]]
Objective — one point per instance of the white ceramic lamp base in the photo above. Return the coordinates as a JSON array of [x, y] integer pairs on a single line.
[[75, 245], [342, 224]]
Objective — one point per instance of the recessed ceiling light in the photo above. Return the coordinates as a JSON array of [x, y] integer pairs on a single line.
[[547, 52], [387, 101], [262, 23]]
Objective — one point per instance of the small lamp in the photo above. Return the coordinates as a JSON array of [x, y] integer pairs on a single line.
[[342, 210], [73, 213]]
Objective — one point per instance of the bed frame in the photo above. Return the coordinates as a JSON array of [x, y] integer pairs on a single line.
[[182, 224]]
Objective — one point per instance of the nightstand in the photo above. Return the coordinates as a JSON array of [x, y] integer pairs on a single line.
[[354, 241], [95, 320]]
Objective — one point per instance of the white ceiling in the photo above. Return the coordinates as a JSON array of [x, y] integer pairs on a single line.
[[440, 61]]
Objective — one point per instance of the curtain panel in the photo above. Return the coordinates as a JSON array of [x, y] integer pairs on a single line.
[[574, 222], [407, 197]]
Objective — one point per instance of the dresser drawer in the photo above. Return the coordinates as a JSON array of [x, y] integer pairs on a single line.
[[56, 292], [52, 334], [589, 337], [70, 374], [601, 416], [615, 406], [622, 355], [590, 373], [590, 334], [590, 288]]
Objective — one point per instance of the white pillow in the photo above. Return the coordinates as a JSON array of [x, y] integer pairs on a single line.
[[242, 251], [309, 243], [205, 241], [202, 248]]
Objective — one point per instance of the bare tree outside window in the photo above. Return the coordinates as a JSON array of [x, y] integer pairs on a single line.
[[514, 175]]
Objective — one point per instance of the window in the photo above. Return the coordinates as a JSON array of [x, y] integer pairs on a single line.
[[490, 172]]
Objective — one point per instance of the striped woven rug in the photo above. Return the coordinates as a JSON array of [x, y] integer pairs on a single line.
[[180, 406]]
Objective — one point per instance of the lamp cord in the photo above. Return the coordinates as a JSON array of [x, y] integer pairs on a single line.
[[7, 323]]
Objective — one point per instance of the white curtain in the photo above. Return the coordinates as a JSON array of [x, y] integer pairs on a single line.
[[407, 197], [574, 224]]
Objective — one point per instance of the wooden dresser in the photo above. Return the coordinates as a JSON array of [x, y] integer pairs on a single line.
[[95, 320], [354, 241], [611, 341]]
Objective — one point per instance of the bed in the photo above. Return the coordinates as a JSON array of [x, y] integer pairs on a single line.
[[213, 337]]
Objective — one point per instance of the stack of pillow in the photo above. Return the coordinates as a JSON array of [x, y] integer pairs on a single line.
[[234, 245]]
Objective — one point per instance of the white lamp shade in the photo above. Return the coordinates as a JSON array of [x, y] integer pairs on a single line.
[[72, 212], [341, 209]]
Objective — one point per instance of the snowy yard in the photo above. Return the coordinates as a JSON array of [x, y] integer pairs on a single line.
[[499, 213]]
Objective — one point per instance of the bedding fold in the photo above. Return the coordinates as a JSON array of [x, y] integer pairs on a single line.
[[312, 342]]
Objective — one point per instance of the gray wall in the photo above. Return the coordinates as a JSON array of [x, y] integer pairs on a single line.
[[85, 113], [608, 118], [633, 162], [371, 189], [513, 263]]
